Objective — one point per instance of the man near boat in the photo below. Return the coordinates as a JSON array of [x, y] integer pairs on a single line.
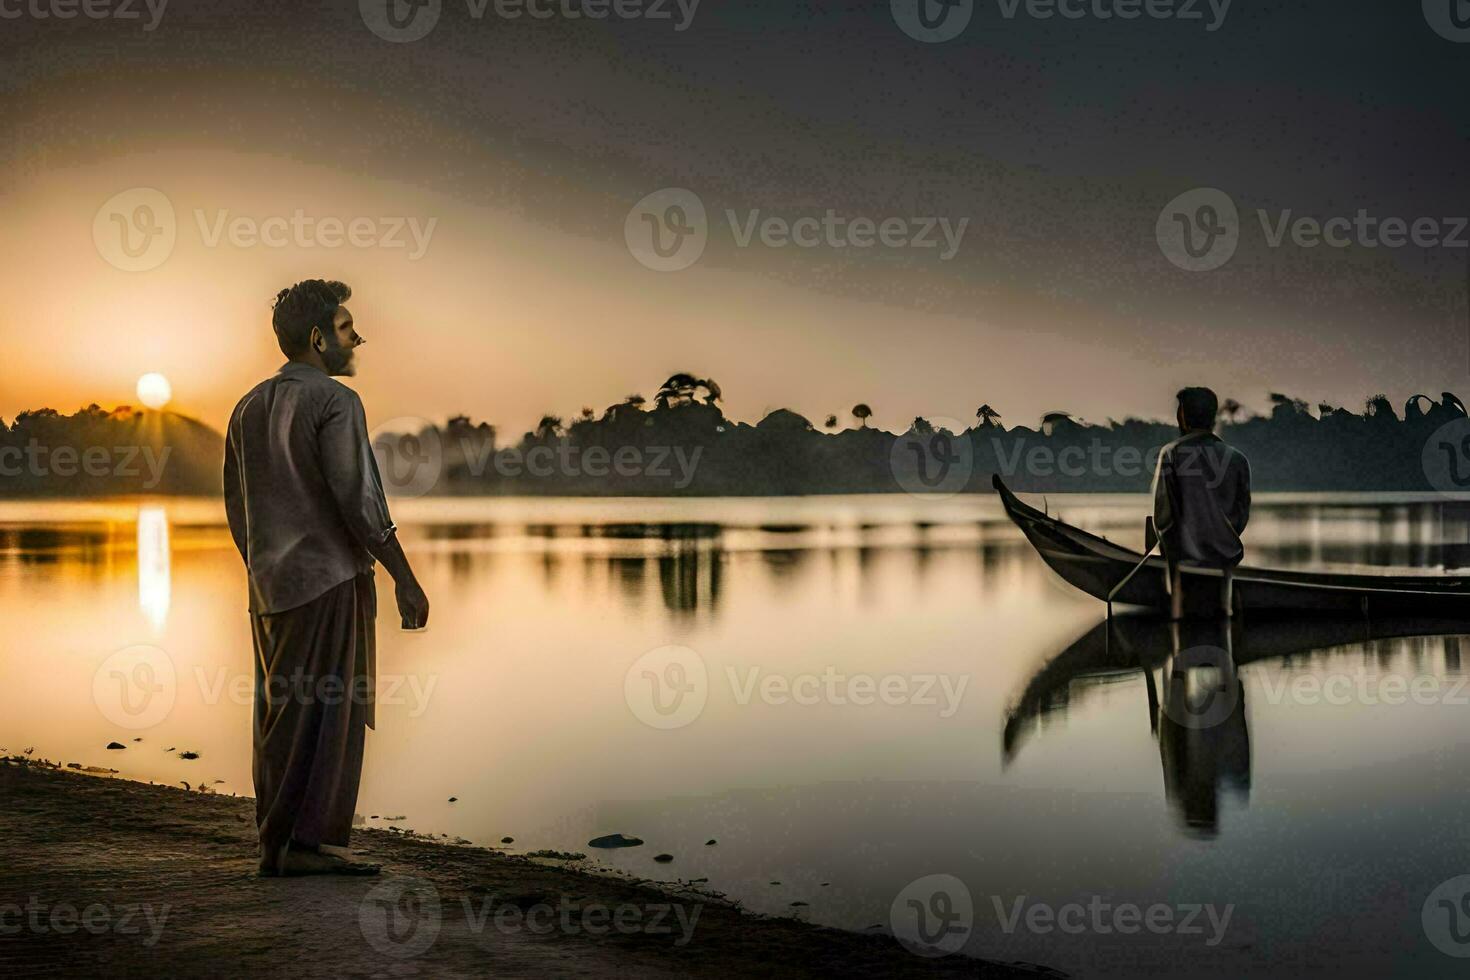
[[1202, 499]]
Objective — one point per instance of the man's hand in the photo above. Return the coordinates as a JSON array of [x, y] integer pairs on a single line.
[[413, 605]]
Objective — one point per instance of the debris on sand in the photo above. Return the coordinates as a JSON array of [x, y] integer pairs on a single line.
[[795, 904], [189, 756], [711, 842], [558, 855], [507, 840], [454, 799], [663, 858], [615, 840], [115, 746]]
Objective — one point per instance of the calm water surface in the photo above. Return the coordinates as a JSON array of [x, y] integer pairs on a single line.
[[856, 700]]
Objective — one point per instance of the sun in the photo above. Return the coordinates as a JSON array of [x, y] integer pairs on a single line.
[[154, 390]]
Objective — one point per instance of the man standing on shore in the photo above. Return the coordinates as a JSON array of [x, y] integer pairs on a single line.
[[307, 511], [1202, 499]]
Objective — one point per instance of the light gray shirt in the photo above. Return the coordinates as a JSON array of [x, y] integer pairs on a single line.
[[302, 491], [1202, 500]]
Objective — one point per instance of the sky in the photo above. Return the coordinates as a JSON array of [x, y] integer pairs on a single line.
[[501, 176]]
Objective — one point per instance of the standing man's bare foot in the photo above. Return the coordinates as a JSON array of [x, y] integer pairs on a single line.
[[300, 863]]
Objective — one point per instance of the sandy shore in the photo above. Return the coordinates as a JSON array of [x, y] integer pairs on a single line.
[[107, 876]]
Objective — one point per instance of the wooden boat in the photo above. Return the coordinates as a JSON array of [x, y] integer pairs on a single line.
[[1097, 566]]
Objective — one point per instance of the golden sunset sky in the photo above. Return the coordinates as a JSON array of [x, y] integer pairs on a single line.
[[527, 145]]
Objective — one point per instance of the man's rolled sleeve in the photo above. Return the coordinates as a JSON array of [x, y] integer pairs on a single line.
[[351, 470]]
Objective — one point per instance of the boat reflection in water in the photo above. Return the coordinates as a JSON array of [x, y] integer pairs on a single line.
[[1196, 700]]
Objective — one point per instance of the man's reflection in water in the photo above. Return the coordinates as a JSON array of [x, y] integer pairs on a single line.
[[1204, 743]]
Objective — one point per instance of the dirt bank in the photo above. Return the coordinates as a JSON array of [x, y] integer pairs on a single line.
[[106, 876]]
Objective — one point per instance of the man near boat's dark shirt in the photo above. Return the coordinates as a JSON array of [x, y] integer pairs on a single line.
[[1202, 497], [306, 508]]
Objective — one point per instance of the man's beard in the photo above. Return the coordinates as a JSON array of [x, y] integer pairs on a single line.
[[335, 357]]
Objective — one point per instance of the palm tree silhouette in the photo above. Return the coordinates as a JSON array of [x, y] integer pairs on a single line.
[[862, 413], [987, 416]]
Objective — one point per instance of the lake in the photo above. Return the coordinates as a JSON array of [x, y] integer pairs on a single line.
[[885, 708]]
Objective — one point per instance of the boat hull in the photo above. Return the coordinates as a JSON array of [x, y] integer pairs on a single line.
[[1096, 566]]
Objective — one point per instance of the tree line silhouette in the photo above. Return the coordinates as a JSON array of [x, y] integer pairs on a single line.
[[684, 444], [1290, 448]]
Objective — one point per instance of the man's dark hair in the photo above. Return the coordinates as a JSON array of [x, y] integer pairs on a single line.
[[1198, 406], [311, 303]]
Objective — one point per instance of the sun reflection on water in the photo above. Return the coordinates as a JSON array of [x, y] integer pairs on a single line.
[[153, 565]]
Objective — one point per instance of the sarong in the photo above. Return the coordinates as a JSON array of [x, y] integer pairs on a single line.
[[314, 676]]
